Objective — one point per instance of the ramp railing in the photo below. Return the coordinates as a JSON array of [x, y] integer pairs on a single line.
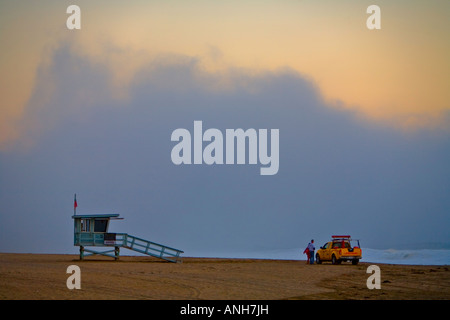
[[147, 247]]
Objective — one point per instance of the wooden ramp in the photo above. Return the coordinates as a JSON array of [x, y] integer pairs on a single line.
[[147, 247]]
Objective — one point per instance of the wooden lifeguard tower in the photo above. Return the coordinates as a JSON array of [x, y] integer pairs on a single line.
[[91, 230]]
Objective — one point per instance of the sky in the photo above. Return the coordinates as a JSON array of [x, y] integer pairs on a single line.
[[363, 119]]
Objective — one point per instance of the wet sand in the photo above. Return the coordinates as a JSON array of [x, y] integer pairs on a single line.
[[43, 277]]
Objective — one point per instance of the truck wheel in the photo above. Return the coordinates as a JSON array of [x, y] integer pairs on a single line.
[[355, 262], [333, 259], [318, 261]]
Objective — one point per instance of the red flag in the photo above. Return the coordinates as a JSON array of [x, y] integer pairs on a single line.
[[75, 205]]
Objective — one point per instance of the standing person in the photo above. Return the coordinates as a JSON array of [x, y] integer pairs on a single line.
[[307, 255], [311, 249]]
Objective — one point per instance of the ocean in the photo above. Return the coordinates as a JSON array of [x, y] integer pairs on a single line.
[[388, 256]]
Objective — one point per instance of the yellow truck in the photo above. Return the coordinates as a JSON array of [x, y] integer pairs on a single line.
[[339, 249]]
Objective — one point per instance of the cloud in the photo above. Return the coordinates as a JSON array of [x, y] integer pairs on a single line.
[[397, 76]]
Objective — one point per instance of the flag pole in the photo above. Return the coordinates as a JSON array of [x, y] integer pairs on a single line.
[[75, 205]]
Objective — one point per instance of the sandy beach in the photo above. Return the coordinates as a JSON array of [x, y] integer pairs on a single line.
[[43, 277]]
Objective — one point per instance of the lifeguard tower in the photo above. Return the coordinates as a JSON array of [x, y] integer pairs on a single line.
[[92, 231]]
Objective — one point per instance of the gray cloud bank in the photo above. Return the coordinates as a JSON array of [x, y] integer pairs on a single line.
[[337, 173]]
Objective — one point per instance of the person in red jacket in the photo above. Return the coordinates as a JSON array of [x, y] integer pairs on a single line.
[[307, 255]]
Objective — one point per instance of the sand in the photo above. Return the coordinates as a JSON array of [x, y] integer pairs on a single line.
[[43, 277]]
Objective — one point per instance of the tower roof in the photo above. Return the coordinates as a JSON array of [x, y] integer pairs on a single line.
[[93, 216]]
